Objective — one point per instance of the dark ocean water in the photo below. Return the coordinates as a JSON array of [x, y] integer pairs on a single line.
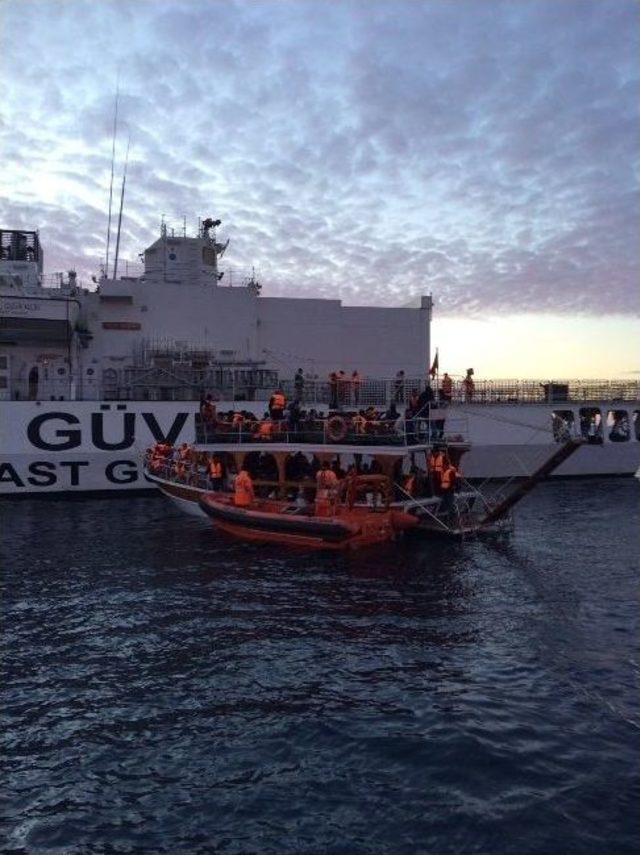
[[166, 690]]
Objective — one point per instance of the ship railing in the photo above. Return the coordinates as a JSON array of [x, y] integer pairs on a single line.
[[342, 396], [335, 430]]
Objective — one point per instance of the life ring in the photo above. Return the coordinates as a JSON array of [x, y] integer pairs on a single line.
[[337, 429]]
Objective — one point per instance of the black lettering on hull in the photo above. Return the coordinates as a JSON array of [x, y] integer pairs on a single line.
[[74, 469], [117, 474], [97, 432], [41, 469], [72, 438], [9, 475], [174, 431]]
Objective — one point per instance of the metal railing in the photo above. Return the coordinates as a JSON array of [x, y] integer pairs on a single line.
[[333, 431], [376, 392]]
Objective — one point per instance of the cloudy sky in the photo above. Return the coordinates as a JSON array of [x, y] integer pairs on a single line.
[[486, 152]]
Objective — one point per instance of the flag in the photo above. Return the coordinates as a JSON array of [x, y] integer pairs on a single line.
[[434, 368]]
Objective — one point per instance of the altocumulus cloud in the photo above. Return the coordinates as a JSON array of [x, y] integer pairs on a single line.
[[373, 151]]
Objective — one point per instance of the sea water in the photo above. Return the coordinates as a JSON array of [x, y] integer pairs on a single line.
[[165, 689]]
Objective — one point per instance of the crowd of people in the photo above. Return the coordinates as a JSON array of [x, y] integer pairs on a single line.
[[305, 475], [346, 389], [286, 420]]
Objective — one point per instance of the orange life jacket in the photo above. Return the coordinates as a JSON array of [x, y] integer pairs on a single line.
[[243, 490], [326, 479], [410, 485], [215, 469], [436, 462], [278, 401], [449, 477]]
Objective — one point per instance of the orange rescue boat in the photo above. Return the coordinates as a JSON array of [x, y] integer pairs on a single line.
[[347, 526]]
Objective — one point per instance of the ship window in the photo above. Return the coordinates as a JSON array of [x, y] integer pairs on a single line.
[[618, 426], [4, 382], [636, 423], [4, 363], [591, 424], [562, 422], [62, 371], [208, 256], [90, 372]]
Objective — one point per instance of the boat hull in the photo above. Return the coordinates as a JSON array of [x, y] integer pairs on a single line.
[[270, 522]]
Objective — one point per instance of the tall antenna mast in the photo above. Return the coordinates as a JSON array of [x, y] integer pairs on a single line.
[[124, 182], [113, 157]]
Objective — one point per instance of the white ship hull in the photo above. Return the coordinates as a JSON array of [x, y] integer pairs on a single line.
[[86, 446]]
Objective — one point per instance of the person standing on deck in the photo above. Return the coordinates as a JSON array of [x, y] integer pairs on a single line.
[[244, 495], [468, 385], [333, 391], [277, 403], [398, 395], [215, 473], [435, 466], [298, 386], [446, 389], [326, 486], [448, 486]]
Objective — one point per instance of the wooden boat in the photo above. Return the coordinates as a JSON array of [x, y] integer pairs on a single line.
[[348, 526]]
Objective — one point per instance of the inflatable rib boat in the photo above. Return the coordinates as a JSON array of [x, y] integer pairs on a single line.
[[274, 521]]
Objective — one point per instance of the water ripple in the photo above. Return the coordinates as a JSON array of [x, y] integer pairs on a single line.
[[168, 690]]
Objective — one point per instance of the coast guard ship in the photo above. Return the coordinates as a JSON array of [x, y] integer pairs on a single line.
[[90, 377]]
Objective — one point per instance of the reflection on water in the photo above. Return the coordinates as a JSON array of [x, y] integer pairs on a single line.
[[166, 689]]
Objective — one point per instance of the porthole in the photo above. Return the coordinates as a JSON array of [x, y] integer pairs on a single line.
[[562, 423], [591, 424]]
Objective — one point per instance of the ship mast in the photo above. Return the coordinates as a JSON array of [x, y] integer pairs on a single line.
[[113, 157], [124, 182]]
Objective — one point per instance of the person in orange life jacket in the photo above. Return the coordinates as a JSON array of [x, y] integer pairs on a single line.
[[264, 430], [243, 494], [326, 485], [277, 403], [435, 466], [448, 485], [446, 389], [215, 473]]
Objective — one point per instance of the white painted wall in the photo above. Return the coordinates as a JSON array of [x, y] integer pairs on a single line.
[[316, 335]]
